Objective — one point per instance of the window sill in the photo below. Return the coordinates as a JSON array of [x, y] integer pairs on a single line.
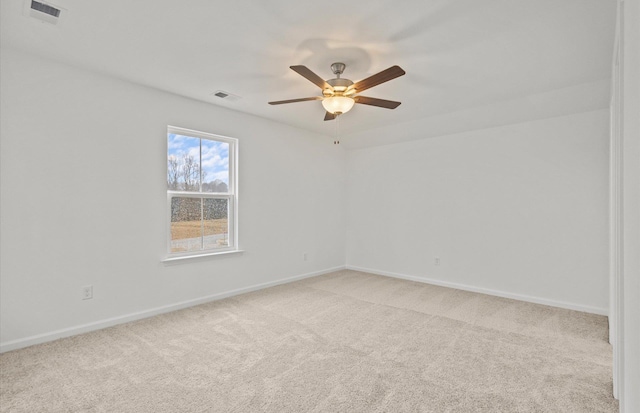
[[186, 258]]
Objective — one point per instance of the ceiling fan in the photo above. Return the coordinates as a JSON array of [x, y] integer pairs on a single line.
[[339, 95]]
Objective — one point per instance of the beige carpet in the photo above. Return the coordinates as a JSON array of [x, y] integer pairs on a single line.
[[342, 342]]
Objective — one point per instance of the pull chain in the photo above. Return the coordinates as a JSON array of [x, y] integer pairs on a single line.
[[337, 141]]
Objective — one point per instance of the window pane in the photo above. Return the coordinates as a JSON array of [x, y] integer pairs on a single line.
[[186, 224], [216, 223], [215, 166], [183, 163]]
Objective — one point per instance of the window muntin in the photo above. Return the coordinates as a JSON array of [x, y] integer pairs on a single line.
[[201, 192]]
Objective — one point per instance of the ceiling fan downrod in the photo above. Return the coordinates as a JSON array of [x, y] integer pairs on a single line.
[[338, 68]]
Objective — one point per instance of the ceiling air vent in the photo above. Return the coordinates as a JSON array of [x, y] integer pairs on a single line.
[[45, 8], [226, 96], [43, 11]]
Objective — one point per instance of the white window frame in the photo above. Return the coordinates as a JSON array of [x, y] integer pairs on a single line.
[[231, 196]]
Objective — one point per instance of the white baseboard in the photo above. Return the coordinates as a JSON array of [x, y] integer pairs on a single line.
[[497, 293], [98, 325]]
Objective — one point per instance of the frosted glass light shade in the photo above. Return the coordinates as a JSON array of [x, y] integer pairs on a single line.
[[338, 104]]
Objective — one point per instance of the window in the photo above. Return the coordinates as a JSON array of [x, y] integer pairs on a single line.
[[201, 193]]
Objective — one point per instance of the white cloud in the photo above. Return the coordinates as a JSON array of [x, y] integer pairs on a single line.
[[221, 175]]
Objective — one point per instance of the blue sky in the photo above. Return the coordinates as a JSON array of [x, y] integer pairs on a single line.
[[215, 155]]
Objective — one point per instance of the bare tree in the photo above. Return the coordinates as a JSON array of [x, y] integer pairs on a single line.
[[183, 173], [173, 172], [190, 171]]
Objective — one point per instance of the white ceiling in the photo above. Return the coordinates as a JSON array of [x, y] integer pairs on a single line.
[[458, 54]]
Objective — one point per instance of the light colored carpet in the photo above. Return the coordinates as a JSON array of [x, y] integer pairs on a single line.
[[341, 342]]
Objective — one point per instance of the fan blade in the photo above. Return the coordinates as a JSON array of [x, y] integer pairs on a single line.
[[329, 116], [280, 102], [387, 104], [375, 80], [310, 76]]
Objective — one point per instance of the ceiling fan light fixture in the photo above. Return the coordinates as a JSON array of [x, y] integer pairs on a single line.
[[338, 104]]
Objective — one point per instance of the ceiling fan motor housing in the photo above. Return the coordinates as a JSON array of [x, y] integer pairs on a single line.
[[340, 86]]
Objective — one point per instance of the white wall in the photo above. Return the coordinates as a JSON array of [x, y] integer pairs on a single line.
[[630, 400], [83, 197], [518, 210]]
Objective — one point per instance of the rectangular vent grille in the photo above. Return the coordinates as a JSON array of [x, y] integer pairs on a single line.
[[45, 8], [229, 97]]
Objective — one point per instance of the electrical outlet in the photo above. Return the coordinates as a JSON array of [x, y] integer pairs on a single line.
[[436, 261], [305, 257], [87, 292]]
